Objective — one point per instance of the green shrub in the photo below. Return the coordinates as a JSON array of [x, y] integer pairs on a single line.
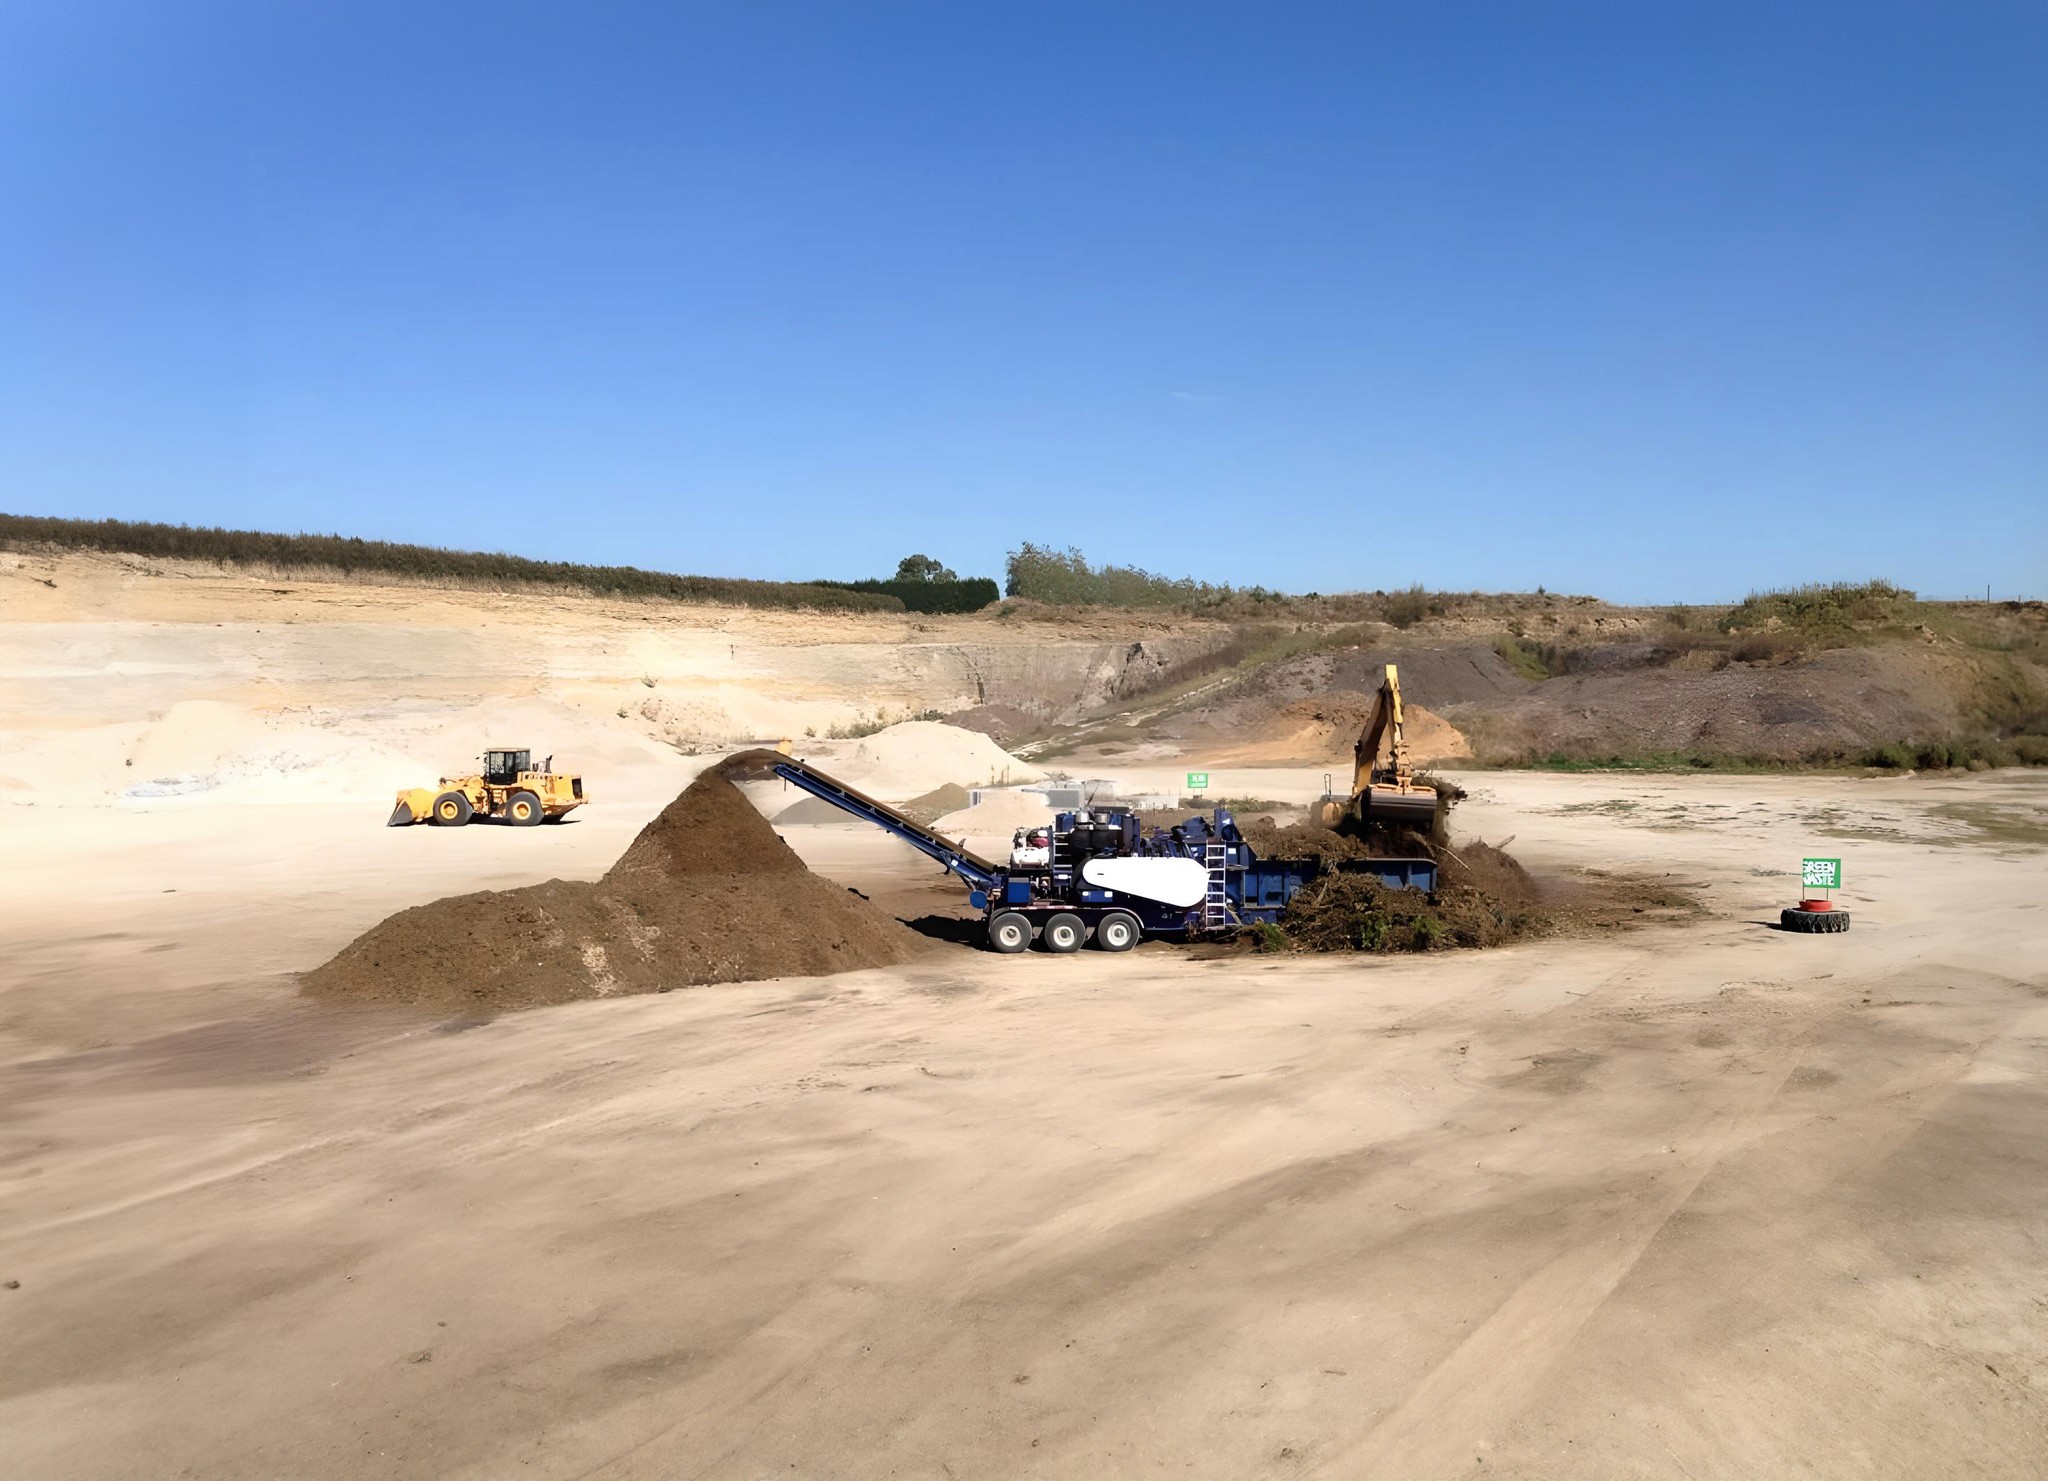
[[1893, 757], [865, 724], [2031, 750], [1531, 660], [1831, 608], [1403, 609], [1427, 933], [1266, 936], [350, 556], [1065, 579], [970, 595]]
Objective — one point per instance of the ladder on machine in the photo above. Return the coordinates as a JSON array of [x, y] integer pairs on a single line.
[[1216, 903]]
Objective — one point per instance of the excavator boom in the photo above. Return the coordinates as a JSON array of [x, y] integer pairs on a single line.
[[1383, 785]]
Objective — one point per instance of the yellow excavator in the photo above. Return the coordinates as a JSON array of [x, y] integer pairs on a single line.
[[510, 789], [1384, 792]]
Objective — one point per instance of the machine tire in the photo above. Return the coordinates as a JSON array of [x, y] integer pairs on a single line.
[[1118, 931], [1816, 922], [1009, 933], [451, 810], [523, 810], [1064, 933]]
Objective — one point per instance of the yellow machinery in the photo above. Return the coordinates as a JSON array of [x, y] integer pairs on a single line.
[[1383, 786], [510, 788]]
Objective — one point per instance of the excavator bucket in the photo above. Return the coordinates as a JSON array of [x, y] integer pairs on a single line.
[[1413, 807]]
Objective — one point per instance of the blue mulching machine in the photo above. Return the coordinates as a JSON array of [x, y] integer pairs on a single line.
[[1110, 881]]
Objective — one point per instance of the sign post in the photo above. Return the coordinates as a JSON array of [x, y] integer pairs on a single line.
[[1821, 874]]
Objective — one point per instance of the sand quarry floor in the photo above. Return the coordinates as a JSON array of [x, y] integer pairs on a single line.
[[1700, 1201]]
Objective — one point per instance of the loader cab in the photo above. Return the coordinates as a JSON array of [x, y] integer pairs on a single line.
[[502, 768]]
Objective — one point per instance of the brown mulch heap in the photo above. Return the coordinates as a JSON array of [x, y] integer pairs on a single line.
[[1307, 841], [1483, 898], [706, 893]]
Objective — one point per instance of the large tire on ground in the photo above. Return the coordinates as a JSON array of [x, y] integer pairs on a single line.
[[1009, 933], [523, 810], [1118, 931], [451, 810], [1813, 921], [1064, 933]]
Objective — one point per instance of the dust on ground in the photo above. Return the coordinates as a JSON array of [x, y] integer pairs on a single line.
[[707, 893]]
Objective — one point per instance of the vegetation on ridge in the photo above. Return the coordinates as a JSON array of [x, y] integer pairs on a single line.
[[424, 563]]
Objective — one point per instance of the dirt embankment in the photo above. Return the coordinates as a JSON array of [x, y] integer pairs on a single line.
[[1628, 699], [706, 893]]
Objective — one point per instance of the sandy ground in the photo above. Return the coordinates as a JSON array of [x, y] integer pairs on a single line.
[[1700, 1201]]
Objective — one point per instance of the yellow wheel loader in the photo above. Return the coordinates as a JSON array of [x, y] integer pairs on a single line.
[[1384, 792], [510, 789]]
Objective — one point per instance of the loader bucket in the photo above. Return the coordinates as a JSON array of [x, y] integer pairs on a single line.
[[401, 815]]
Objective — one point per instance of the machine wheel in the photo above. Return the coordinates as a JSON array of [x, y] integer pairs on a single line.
[[523, 810], [451, 810], [1064, 933], [1815, 921], [1009, 933], [1118, 931]]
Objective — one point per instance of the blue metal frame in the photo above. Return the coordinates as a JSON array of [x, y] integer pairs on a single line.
[[1255, 889]]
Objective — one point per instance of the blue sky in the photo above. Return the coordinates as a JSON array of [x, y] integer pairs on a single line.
[[1661, 302]]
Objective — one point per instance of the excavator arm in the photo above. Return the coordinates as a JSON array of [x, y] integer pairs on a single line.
[[1382, 731], [1383, 785]]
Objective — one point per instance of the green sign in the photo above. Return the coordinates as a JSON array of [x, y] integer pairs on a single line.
[[1198, 779], [1820, 874]]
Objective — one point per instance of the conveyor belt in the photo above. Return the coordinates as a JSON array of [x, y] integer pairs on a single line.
[[971, 867]]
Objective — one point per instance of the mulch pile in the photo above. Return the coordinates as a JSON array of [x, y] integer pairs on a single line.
[[706, 893], [1484, 897]]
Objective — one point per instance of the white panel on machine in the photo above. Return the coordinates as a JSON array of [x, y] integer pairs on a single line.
[[1181, 882]]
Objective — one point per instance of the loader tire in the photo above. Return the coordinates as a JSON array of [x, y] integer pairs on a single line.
[[1816, 922], [1009, 933], [1064, 933], [451, 810], [1118, 931], [523, 810]]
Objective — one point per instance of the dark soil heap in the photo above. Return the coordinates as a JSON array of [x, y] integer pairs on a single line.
[[706, 893], [1484, 897]]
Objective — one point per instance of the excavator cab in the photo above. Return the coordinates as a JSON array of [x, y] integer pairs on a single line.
[[1384, 792]]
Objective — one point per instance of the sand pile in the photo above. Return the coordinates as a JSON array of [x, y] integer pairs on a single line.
[[1323, 731], [910, 759], [706, 893], [810, 812], [933, 804], [987, 829]]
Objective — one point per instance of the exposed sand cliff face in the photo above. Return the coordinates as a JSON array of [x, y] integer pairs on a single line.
[[117, 674]]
